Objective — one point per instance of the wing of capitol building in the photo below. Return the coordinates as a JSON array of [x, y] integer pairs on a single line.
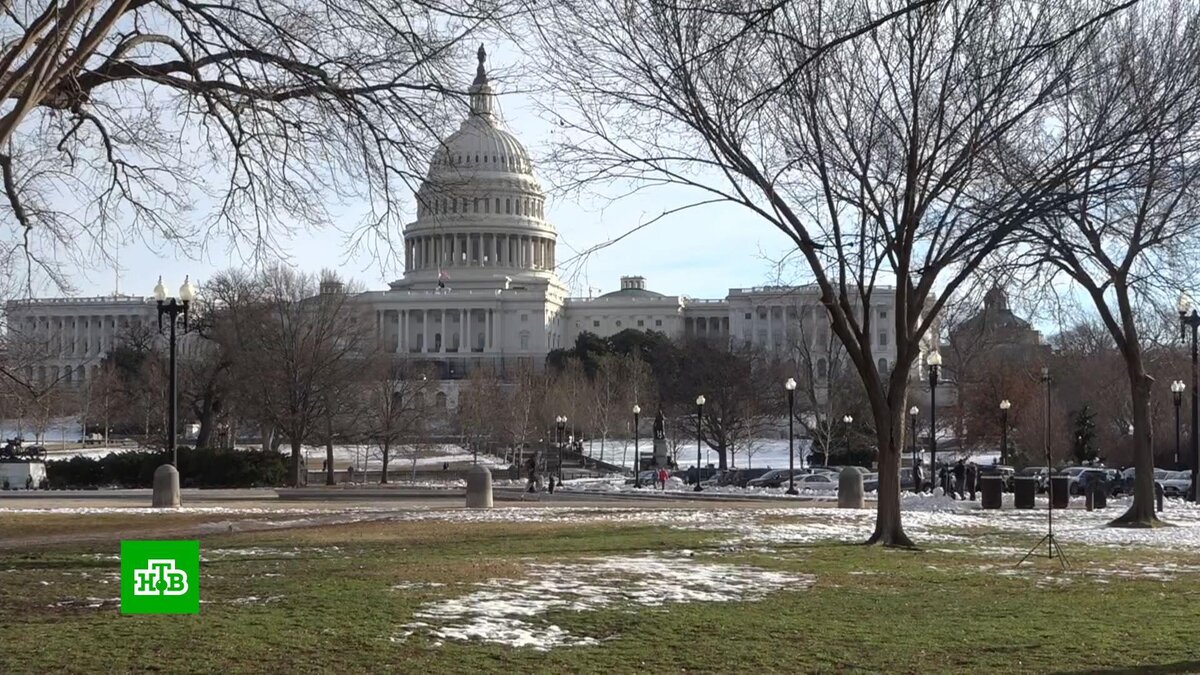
[[479, 287]]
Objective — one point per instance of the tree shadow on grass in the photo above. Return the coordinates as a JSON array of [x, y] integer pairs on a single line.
[[1176, 667]]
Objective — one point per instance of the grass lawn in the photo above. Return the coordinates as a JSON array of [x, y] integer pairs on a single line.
[[340, 598]]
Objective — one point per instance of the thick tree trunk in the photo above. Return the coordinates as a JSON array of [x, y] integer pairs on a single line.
[[1141, 512], [265, 434], [208, 420], [383, 476], [329, 461], [722, 457], [295, 461], [889, 531]]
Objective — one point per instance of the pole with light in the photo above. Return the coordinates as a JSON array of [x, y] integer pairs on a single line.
[[848, 420], [912, 416], [637, 457], [699, 434], [1177, 388], [790, 386], [934, 361], [1004, 406], [560, 423], [1189, 318], [173, 308]]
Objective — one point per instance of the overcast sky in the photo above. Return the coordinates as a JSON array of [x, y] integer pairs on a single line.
[[701, 252]]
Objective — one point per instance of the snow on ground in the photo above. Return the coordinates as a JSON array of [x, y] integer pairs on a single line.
[[361, 457], [511, 611]]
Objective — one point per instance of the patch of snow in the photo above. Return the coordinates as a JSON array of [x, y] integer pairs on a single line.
[[510, 611]]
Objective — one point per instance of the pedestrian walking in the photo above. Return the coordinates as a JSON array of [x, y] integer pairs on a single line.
[[662, 478], [960, 479], [972, 479], [918, 478], [551, 484]]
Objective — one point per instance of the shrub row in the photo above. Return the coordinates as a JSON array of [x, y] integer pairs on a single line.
[[198, 467]]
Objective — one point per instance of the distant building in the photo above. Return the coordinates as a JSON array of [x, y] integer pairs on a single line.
[[995, 331], [64, 339]]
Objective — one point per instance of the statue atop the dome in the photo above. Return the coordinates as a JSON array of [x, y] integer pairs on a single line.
[[481, 72]]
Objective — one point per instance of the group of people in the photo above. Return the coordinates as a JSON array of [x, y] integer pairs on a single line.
[[957, 481]]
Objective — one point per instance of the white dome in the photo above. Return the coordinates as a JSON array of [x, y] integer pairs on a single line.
[[480, 144], [480, 210]]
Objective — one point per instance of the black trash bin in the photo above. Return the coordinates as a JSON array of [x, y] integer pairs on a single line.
[[1024, 490], [1060, 497], [992, 488], [1158, 496], [1100, 496]]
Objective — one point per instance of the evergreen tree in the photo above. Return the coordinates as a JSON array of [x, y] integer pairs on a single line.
[[1083, 443]]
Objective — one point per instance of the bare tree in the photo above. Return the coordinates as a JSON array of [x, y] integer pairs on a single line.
[[1124, 240], [300, 344], [137, 112], [396, 397], [866, 132], [478, 402]]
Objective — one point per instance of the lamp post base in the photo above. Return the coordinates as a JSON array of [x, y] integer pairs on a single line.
[[792, 491], [697, 489]]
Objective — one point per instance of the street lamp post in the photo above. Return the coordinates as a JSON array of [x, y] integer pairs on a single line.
[[934, 361], [637, 456], [1004, 406], [1177, 388], [173, 308], [790, 386], [916, 472], [699, 417], [848, 420], [1189, 318], [560, 423]]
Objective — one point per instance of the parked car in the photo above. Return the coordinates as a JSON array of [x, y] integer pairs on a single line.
[[1005, 472], [774, 478], [1175, 483], [1107, 477], [870, 482], [817, 482], [1041, 473]]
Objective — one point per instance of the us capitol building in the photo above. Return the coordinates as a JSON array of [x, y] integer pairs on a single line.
[[479, 286]]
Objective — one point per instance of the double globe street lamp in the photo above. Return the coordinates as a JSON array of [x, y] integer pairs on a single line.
[[916, 461], [847, 420], [699, 434], [1177, 389], [173, 309], [1190, 318], [637, 455], [790, 386], [166, 477], [1004, 406], [560, 423], [934, 361]]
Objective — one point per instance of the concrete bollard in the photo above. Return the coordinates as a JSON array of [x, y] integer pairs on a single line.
[[992, 489], [1100, 497], [479, 487], [850, 489], [166, 487]]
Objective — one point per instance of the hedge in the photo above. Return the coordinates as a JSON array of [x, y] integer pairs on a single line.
[[198, 467]]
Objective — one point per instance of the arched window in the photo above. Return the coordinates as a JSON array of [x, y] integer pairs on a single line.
[[883, 365], [440, 400], [453, 206], [487, 205], [497, 205], [508, 205]]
